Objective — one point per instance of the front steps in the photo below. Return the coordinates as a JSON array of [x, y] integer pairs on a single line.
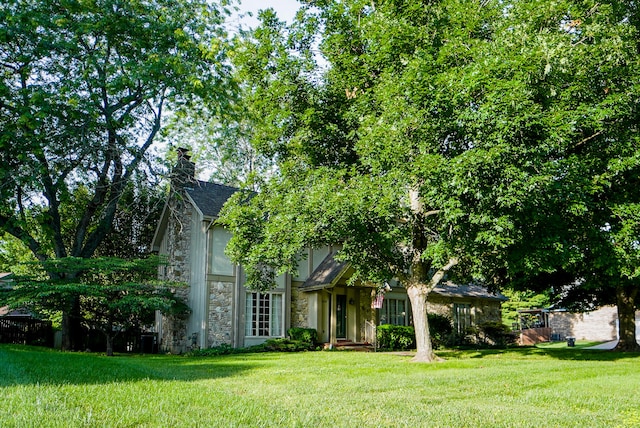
[[348, 345]]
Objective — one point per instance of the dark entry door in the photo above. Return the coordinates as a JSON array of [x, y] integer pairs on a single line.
[[341, 316]]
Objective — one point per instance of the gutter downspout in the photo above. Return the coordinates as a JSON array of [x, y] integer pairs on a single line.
[[205, 324]]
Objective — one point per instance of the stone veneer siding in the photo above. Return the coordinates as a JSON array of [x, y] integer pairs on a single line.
[[482, 310], [177, 250], [220, 313], [299, 307], [600, 324], [367, 313]]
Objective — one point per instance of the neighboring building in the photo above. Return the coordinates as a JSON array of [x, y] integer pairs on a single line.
[[19, 325], [223, 311], [597, 325], [558, 324]]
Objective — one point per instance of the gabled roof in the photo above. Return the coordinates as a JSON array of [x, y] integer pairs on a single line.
[[210, 197], [7, 312], [449, 289], [329, 272], [326, 275], [5, 275], [207, 198]]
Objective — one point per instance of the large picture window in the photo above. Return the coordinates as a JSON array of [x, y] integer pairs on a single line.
[[264, 315], [394, 311], [462, 317]]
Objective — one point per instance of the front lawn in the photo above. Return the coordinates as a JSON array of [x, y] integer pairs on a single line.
[[521, 387]]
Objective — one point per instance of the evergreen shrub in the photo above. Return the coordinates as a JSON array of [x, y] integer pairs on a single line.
[[497, 334], [441, 330], [395, 337], [309, 335], [401, 338], [285, 345]]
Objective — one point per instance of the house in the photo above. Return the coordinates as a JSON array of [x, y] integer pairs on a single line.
[[223, 311], [545, 325], [19, 325]]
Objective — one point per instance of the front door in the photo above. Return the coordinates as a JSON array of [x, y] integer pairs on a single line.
[[341, 316]]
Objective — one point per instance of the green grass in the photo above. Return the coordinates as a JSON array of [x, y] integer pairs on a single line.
[[515, 388]]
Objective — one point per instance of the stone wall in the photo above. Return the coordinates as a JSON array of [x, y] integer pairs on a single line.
[[220, 313], [482, 310], [176, 247], [299, 307], [367, 315], [595, 325]]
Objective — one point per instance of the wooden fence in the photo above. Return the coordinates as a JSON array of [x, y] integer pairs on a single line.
[[27, 331]]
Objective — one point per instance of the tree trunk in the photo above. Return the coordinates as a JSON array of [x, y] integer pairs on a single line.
[[76, 331], [109, 345], [626, 297], [71, 327], [65, 327], [418, 298]]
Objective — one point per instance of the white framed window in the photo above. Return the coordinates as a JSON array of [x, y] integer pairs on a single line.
[[220, 263], [461, 317], [264, 315], [393, 311]]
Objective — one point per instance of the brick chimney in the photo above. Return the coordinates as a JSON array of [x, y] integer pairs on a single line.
[[184, 173]]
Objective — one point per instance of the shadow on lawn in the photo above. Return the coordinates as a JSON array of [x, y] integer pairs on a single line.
[[533, 352], [25, 365]]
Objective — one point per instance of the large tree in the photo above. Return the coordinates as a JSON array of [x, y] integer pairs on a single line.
[[555, 99], [84, 86], [476, 139], [364, 148]]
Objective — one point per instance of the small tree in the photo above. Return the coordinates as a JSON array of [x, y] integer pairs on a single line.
[[113, 294], [84, 91]]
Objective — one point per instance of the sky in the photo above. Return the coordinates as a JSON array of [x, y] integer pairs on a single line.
[[285, 9]]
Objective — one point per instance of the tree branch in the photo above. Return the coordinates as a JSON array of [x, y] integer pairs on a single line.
[[440, 273]]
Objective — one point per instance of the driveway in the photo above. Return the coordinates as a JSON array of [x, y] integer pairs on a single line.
[[606, 346]]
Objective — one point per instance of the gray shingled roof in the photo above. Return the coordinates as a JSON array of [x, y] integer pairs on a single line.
[[326, 274], [210, 197], [330, 270], [449, 289]]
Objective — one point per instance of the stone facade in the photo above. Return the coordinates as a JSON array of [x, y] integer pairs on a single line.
[[299, 307], [482, 310], [176, 247], [177, 250], [220, 313], [600, 325]]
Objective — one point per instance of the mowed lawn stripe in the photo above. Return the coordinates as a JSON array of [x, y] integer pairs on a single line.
[[553, 387]]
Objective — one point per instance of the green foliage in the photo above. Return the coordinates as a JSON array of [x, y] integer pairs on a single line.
[[223, 349], [15, 257], [112, 294], [441, 330], [395, 337], [270, 345], [287, 345], [519, 300], [135, 220], [497, 334], [498, 145], [84, 87], [83, 90], [308, 335]]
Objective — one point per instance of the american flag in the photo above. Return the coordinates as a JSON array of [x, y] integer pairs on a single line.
[[377, 302]]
